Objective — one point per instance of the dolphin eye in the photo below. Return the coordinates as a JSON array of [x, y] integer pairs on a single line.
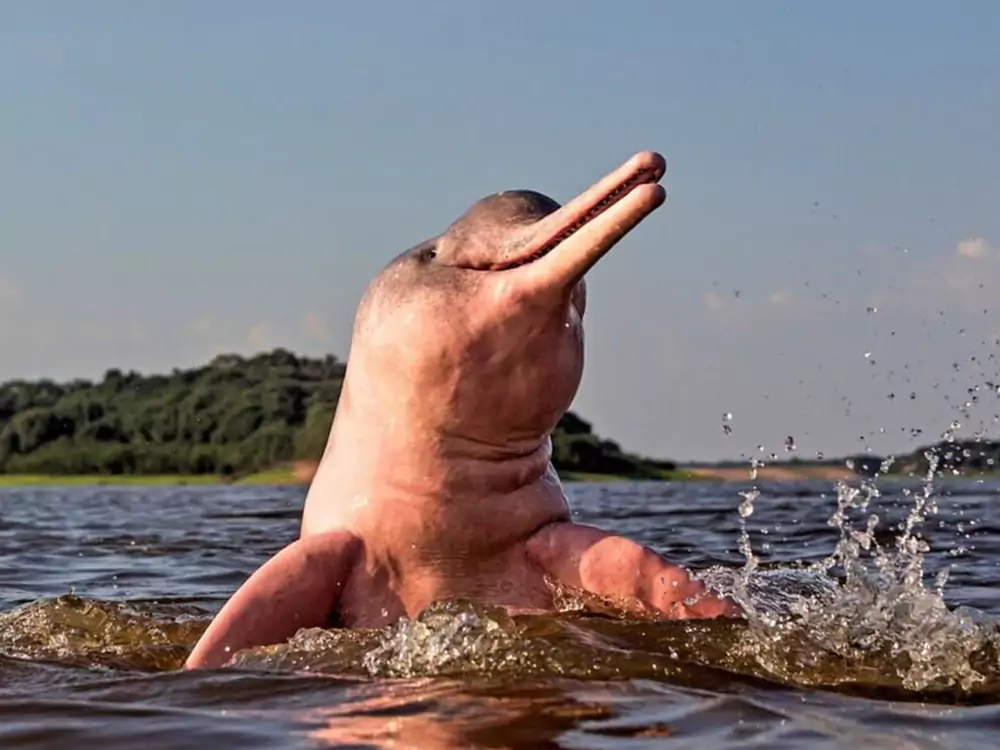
[[428, 253]]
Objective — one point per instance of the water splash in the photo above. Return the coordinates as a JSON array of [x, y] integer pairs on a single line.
[[862, 618], [96, 634], [877, 614], [448, 637]]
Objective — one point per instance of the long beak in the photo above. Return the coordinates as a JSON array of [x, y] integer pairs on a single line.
[[569, 242]]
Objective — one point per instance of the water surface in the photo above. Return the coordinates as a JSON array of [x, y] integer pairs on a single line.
[[850, 642]]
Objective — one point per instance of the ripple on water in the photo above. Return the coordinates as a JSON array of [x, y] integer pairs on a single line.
[[832, 607]]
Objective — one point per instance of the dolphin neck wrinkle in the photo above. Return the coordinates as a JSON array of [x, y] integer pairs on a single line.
[[429, 465]]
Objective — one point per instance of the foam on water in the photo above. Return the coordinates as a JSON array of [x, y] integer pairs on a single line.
[[864, 617], [864, 604]]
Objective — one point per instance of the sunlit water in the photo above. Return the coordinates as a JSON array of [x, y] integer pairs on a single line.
[[861, 632]]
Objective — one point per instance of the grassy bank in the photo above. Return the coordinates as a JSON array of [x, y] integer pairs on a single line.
[[274, 477], [657, 476], [157, 480]]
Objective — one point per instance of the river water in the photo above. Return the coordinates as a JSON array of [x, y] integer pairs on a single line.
[[854, 638]]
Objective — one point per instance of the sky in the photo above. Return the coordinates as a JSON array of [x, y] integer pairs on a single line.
[[181, 179]]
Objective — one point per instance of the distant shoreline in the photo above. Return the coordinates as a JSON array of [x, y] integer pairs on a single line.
[[773, 473], [302, 472], [301, 476], [266, 420], [278, 477]]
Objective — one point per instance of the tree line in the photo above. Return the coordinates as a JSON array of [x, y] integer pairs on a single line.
[[233, 416]]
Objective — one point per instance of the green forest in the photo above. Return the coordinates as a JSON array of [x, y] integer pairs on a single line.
[[233, 417]]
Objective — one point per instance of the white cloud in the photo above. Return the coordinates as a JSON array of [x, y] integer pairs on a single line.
[[959, 279], [205, 327], [740, 305], [222, 337], [781, 297], [262, 335], [716, 302], [316, 327], [975, 247], [965, 279], [213, 335]]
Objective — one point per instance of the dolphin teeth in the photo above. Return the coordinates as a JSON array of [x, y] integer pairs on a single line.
[[600, 207]]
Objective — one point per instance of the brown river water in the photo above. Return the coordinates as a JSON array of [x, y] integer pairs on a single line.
[[854, 637]]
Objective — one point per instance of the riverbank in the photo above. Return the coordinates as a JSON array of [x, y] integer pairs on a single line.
[[276, 477], [297, 476], [776, 473]]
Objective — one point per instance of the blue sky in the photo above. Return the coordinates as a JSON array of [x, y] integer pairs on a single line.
[[178, 179]]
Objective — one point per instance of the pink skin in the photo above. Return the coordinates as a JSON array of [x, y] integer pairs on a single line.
[[436, 481]]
